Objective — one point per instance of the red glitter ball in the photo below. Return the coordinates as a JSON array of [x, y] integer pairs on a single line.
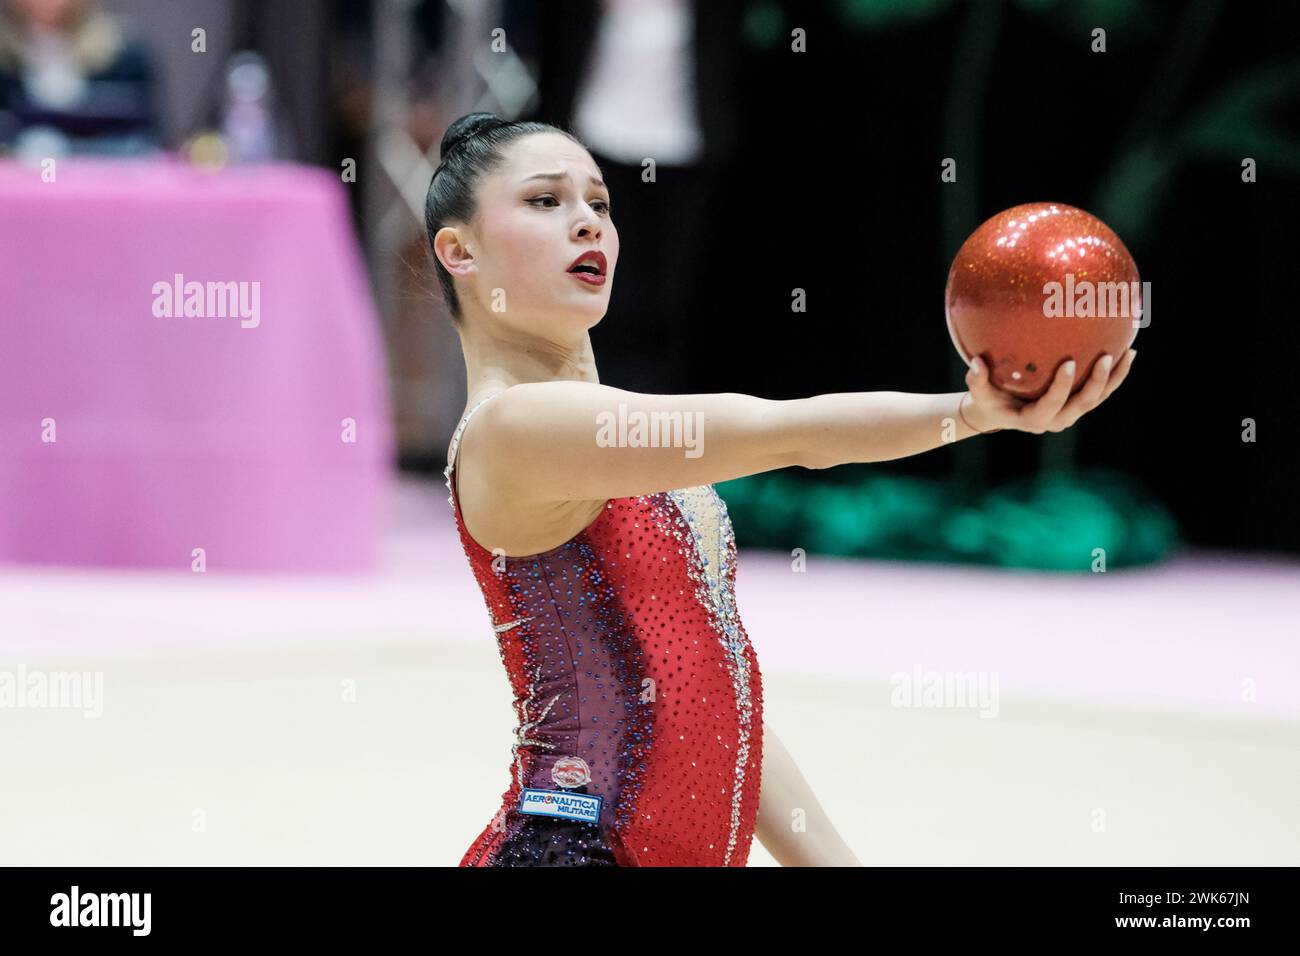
[[1037, 285]]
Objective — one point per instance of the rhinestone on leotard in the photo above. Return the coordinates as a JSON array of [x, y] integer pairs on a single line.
[[625, 651]]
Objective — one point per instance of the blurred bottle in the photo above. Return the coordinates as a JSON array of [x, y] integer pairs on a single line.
[[248, 125]]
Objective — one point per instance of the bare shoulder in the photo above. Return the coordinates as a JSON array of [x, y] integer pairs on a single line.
[[497, 504], [519, 409], [510, 422], [565, 441], [533, 426]]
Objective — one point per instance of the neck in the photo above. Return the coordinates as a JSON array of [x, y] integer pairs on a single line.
[[497, 357]]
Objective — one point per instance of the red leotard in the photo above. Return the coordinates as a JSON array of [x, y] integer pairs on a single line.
[[624, 648]]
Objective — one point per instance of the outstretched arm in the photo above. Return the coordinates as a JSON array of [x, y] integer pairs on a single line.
[[561, 441], [791, 824]]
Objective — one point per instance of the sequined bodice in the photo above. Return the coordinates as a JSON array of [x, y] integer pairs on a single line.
[[624, 649]]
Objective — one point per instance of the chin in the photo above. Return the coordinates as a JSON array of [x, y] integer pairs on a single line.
[[591, 311], [589, 317], [566, 319]]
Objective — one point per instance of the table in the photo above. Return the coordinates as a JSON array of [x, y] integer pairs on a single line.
[[133, 433]]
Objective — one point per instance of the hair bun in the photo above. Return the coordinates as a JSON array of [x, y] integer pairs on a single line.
[[467, 127]]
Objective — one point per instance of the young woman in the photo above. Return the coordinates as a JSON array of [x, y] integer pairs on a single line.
[[605, 557]]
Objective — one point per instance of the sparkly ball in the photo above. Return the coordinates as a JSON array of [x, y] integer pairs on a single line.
[[1036, 286]]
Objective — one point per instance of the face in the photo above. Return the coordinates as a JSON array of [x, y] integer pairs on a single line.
[[539, 211], [49, 14]]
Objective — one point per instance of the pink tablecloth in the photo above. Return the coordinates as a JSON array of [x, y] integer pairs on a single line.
[[173, 433]]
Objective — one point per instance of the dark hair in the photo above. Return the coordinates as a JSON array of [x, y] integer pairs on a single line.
[[470, 149]]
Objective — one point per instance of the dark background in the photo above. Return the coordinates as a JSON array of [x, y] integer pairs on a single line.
[[835, 188], [823, 172]]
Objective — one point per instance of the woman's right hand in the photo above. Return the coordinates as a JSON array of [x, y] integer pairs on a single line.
[[988, 408]]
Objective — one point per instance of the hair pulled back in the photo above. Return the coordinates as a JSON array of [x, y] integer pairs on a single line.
[[470, 149]]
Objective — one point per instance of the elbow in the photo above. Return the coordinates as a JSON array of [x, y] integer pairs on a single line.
[[812, 459], [797, 458], [801, 459], [817, 464]]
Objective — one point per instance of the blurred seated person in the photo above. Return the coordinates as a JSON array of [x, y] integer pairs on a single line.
[[72, 83]]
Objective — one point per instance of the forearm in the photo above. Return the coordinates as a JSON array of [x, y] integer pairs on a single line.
[[791, 824], [844, 427]]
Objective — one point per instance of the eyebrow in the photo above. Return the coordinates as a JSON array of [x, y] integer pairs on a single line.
[[555, 176]]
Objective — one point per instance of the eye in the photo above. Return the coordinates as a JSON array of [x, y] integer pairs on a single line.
[[602, 206], [541, 198]]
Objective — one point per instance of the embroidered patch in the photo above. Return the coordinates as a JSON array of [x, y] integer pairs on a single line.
[[582, 807], [571, 773]]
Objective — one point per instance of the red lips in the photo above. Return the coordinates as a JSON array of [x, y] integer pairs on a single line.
[[592, 261]]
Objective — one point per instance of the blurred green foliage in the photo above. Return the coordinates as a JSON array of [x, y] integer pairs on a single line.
[[1053, 521]]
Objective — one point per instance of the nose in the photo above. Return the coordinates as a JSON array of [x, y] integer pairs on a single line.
[[586, 229]]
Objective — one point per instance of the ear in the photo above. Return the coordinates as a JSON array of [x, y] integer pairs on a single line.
[[450, 248]]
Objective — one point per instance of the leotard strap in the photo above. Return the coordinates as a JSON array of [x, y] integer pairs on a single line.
[[455, 445]]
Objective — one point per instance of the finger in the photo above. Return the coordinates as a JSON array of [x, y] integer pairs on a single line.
[[979, 379], [1119, 373], [1088, 397], [1038, 415], [977, 374]]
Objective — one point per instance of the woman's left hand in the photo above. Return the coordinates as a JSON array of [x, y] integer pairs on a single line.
[[989, 408]]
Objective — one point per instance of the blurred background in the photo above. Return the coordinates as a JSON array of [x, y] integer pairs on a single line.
[[236, 623]]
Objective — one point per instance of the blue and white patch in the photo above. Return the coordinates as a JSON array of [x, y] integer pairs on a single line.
[[582, 807]]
